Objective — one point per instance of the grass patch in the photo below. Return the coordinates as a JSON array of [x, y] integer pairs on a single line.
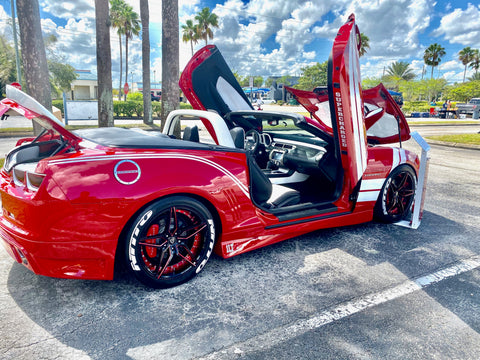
[[2, 161], [15, 130], [444, 122], [472, 139]]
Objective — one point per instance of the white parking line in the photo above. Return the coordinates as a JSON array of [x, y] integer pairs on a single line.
[[338, 312]]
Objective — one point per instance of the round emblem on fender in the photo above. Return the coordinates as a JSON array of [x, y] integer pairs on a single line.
[[127, 172]]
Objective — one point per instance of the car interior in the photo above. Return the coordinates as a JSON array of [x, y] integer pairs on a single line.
[[292, 164]]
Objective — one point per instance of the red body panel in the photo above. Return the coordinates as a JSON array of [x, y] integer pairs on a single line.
[[71, 226]]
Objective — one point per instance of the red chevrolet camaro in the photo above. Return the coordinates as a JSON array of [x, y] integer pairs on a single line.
[[235, 181]]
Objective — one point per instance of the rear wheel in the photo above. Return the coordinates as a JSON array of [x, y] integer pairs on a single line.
[[170, 241], [397, 195]]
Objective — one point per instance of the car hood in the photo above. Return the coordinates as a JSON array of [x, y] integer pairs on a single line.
[[19, 103]]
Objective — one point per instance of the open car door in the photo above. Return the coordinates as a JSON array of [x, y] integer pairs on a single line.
[[209, 84], [346, 104]]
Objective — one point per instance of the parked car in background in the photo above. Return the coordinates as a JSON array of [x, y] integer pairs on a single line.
[[154, 97], [469, 108]]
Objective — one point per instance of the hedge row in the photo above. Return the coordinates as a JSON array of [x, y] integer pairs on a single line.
[[128, 109], [422, 106]]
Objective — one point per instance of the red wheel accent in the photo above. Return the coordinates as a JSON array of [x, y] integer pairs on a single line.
[[397, 195], [171, 241]]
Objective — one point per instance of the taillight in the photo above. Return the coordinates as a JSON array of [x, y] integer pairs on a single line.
[[25, 175], [34, 181]]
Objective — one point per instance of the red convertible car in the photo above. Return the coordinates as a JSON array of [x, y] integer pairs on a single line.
[[72, 202]]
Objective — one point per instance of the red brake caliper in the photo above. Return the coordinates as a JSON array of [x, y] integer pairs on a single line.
[[152, 251]]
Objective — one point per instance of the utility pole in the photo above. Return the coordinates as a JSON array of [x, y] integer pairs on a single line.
[[17, 56]]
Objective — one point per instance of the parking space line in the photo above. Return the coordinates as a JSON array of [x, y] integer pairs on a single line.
[[338, 312]]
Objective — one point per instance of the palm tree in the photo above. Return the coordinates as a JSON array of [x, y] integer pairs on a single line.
[[364, 44], [465, 56], [104, 64], [475, 62], [401, 70], [474, 77], [116, 9], [433, 56], [130, 25], [34, 57], [206, 20], [190, 33], [170, 65], [147, 102]]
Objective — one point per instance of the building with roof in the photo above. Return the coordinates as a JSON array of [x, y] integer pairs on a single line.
[[85, 86], [155, 88]]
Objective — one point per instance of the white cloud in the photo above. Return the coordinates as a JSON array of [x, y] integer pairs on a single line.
[[276, 37], [461, 26], [450, 65], [68, 9], [393, 27], [309, 55]]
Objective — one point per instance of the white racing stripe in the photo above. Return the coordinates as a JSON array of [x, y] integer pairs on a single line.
[[336, 313], [211, 163], [370, 189]]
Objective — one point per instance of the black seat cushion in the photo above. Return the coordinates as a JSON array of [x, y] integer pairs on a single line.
[[261, 187], [261, 190]]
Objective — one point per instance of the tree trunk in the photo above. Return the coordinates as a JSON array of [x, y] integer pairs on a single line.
[[126, 66], [121, 69], [104, 64], [170, 54], [34, 57], [147, 101]]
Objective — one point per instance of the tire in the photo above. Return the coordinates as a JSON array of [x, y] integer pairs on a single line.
[[395, 200], [186, 235]]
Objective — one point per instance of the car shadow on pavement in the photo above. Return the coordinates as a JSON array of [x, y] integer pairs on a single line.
[[238, 298]]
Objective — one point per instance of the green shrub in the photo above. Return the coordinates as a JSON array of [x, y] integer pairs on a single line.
[[416, 106], [59, 105], [185, 106], [125, 108], [156, 109], [136, 96]]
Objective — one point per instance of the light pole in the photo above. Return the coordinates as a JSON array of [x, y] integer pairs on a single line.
[[154, 78]]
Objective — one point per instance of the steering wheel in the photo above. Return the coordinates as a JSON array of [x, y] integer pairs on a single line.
[[252, 140]]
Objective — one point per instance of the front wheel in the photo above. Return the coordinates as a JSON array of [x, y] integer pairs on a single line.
[[170, 242], [397, 195]]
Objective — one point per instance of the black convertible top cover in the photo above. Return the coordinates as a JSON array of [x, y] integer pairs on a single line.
[[141, 139]]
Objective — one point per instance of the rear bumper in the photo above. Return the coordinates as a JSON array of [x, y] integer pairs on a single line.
[[92, 260]]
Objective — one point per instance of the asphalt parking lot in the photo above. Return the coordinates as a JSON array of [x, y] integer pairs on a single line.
[[371, 291]]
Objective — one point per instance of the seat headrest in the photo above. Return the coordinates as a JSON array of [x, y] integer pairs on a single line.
[[238, 136], [191, 134]]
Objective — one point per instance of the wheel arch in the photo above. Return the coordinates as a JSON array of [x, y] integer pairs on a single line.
[[121, 241], [378, 203]]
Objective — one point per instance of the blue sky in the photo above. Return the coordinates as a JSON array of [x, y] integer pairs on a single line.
[[279, 37]]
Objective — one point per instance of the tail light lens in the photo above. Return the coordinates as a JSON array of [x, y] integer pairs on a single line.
[[25, 175]]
